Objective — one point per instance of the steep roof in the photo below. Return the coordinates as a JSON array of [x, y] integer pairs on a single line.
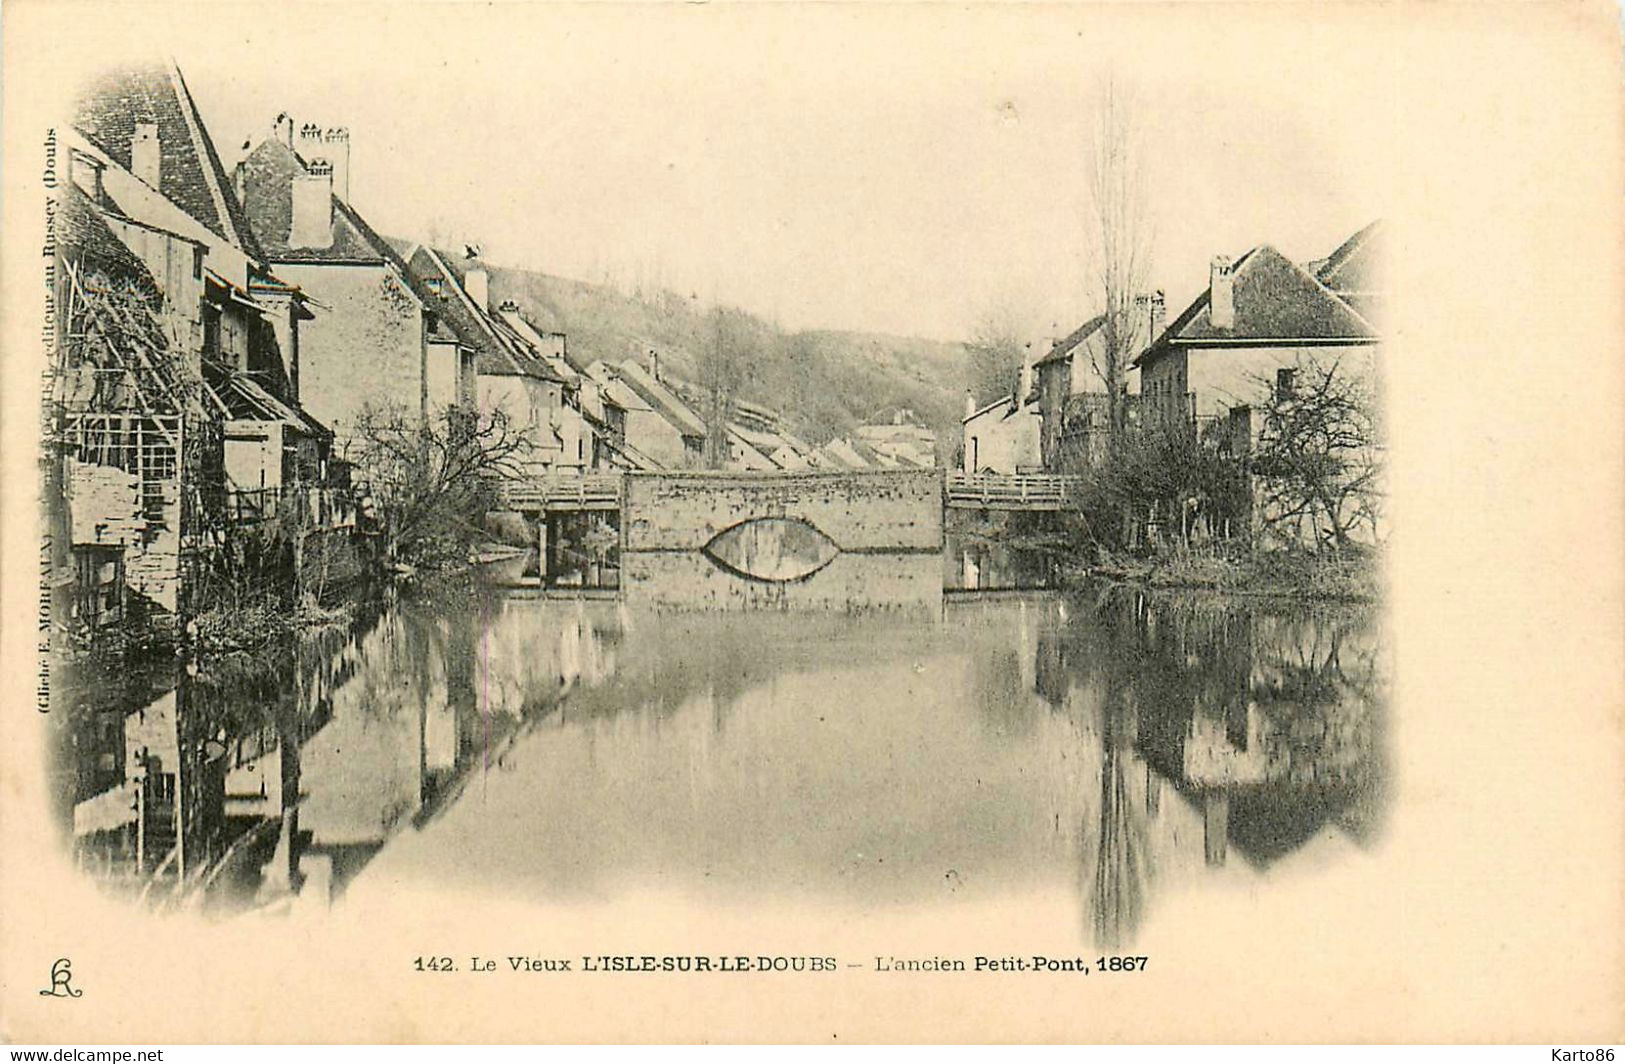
[[81, 227], [266, 178], [1354, 270], [190, 173], [1276, 301], [623, 395], [1064, 347], [662, 399], [499, 352]]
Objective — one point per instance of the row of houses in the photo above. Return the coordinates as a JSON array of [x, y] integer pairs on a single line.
[[225, 336], [1261, 315]]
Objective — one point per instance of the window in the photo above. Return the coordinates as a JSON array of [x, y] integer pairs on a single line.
[[211, 331], [1285, 383]]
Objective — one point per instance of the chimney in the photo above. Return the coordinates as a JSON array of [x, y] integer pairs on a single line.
[[329, 146], [1159, 316], [970, 402], [1024, 382], [477, 283], [145, 159], [311, 225], [654, 364], [338, 153], [1222, 293]]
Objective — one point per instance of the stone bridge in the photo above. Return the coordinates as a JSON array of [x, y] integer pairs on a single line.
[[726, 540]]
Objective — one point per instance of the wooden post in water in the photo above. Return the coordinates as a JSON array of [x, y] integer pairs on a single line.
[[542, 561], [1216, 825]]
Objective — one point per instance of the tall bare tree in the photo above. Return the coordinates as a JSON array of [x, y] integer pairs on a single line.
[[995, 351], [725, 364], [1118, 237]]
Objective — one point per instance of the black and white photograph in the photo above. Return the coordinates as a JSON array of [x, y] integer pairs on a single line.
[[808, 523]]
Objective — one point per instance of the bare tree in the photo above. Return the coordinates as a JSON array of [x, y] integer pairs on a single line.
[[725, 365], [995, 351], [430, 483], [1119, 239], [1318, 454]]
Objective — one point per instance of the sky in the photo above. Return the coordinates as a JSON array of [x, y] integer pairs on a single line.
[[896, 169]]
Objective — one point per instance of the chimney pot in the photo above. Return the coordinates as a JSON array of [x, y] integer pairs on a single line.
[[330, 146], [1222, 293], [146, 158]]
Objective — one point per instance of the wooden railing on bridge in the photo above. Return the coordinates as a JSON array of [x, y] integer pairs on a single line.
[[564, 491], [1008, 491]]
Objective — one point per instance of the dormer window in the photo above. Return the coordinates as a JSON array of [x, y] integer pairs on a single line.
[[436, 285], [86, 172]]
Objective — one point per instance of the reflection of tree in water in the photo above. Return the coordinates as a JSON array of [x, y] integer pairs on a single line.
[[1122, 869], [1266, 719]]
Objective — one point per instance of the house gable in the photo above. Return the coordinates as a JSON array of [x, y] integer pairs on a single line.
[[1277, 303], [265, 178], [114, 104]]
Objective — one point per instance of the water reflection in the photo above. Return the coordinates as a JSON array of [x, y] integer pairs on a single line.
[[973, 562], [1115, 743]]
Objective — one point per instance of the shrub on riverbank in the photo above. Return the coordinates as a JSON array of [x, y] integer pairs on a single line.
[[252, 628], [1352, 575]]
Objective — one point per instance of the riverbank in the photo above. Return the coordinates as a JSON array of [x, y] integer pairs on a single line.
[[1351, 576]]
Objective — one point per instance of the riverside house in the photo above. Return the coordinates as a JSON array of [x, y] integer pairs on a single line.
[[378, 342], [1260, 315], [1071, 381], [1004, 435], [1239, 349], [177, 378], [512, 375]]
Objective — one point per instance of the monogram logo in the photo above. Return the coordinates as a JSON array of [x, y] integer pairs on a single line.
[[61, 980]]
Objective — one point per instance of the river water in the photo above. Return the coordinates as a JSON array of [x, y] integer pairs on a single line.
[[1122, 746]]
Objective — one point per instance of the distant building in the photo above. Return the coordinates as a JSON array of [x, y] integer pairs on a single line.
[[1005, 435], [1238, 351], [845, 453], [901, 438], [678, 440], [1072, 387], [638, 433]]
